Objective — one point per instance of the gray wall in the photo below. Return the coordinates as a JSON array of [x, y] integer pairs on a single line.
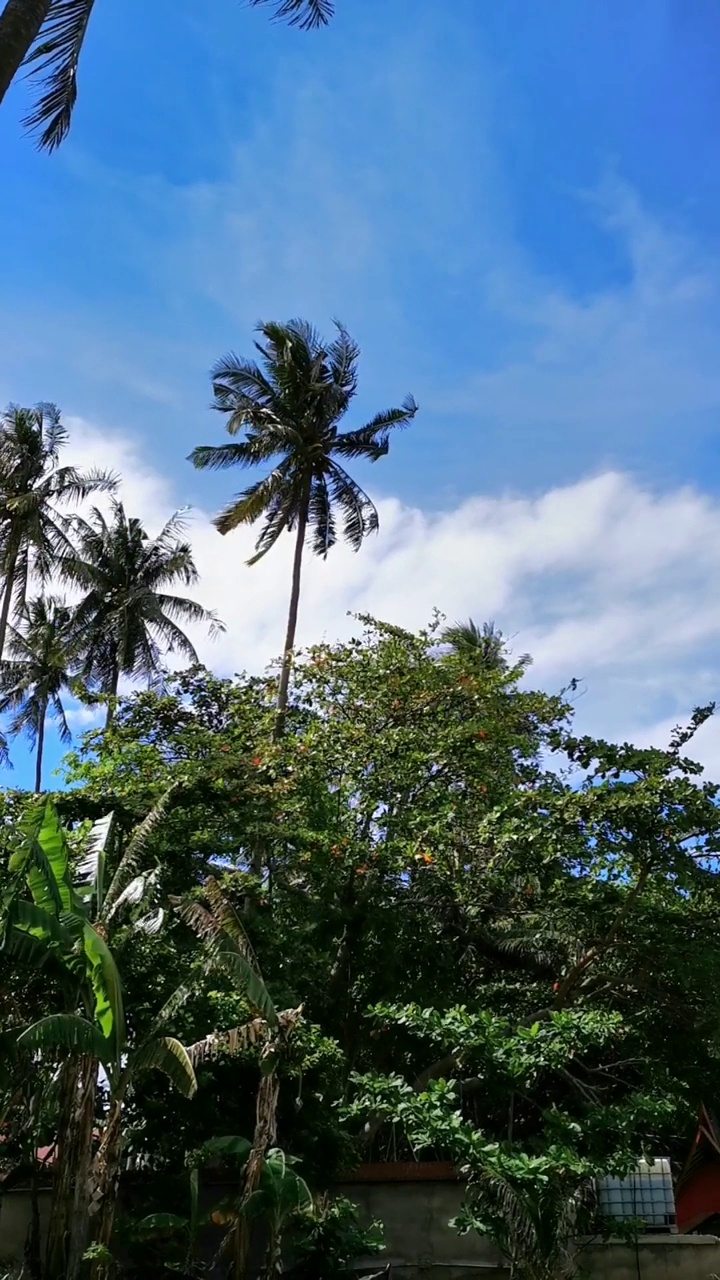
[[15, 1220], [421, 1246]]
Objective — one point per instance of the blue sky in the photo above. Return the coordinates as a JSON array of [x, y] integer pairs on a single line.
[[512, 206]]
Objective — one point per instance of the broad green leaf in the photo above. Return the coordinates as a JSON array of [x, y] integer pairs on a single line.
[[43, 857], [168, 1055], [34, 920], [247, 979], [105, 980], [225, 1147], [65, 1031]]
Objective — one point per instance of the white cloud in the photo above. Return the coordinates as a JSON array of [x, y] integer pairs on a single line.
[[603, 580]]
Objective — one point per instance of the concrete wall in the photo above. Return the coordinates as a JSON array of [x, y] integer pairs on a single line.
[[421, 1246], [656, 1258], [15, 1220]]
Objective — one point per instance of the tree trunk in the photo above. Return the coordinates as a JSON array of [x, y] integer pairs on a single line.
[[39, 753], [113, 693], [265, 1133], [292, 616], [70, 1208], [20, 23], [10, 575], [106, 1181]]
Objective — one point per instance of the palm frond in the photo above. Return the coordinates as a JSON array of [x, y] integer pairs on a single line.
[[372, 440], [359, 513], [55, 62], [305, 14]]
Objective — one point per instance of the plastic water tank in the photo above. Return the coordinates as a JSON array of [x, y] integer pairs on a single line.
[[646, 1195]]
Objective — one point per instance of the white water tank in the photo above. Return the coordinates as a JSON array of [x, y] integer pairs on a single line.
[[646, 1194]]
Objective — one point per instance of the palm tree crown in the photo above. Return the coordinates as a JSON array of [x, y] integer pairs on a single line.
[[485, 646], [49, 36], [34, 531], [126, 617], [290, 407], [42, 656]]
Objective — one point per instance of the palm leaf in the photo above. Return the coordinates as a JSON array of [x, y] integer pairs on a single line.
[[305, 14], [56, 62]]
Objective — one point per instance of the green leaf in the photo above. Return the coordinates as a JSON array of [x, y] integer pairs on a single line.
[[168, 1055], [68, 1032], [226, 1147], [162, 1222], [105, 979], [44, 859]]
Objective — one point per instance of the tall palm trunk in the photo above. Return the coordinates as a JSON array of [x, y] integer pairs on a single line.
[[20, 23], [40, 745], [292, 614], [113, 695], [9, 576]]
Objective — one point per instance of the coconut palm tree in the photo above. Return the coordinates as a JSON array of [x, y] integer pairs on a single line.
[[485, 646], [48, 35], [38, 668], [126, 617], [290, 406], [33, 489]]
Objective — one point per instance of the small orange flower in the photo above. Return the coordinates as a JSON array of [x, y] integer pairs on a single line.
[[361, 871], [426, 857], [257, 760], [556, 986], [225, 748], [482, 733]]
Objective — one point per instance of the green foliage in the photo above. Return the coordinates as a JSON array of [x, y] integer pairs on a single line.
[[329, 1237], [500, 963]]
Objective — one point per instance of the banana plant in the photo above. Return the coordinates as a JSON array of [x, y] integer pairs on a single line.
[[60, 916], [228, 946], [279, 1195]]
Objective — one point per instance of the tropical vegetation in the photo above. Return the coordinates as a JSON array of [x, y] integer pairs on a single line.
[[426, 921]]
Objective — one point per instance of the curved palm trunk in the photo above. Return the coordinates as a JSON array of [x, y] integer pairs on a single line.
[[292, 615], [20, 23], [40, 746], [10, 575]]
